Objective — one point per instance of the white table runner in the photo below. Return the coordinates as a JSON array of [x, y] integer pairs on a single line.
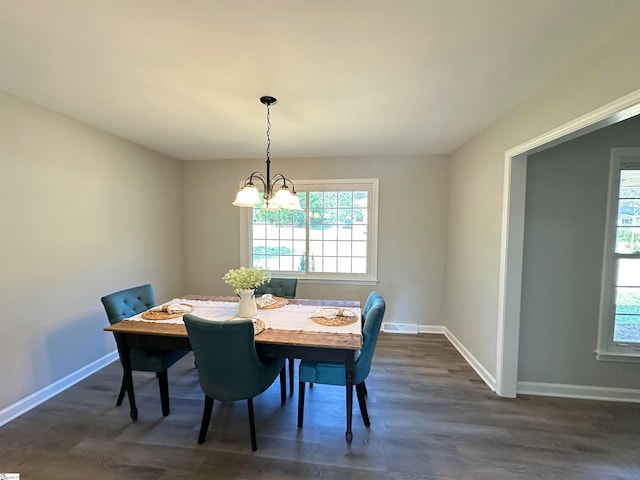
[[290, 317]]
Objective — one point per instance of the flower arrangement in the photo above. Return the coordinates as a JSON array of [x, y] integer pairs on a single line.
[[244, 278]]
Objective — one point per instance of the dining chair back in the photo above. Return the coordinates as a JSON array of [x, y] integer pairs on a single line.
[[285, 288], [127, 303], [333, 373], [279, 287], [229, 368], [368, 304]]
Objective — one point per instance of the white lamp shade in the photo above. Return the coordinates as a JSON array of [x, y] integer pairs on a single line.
[[294, 204], [249, 196], [282, 197]]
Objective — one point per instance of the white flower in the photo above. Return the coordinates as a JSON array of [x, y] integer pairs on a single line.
[[246, 278]]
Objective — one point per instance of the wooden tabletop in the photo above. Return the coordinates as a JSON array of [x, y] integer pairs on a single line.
[[285, 337]]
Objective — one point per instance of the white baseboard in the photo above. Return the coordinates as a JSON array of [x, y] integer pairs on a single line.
[[442, 330], [471, 360], [535, 388], [579, 391], [23, 406]]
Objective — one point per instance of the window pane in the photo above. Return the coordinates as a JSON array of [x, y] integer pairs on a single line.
[[630, 184], [315, 248], [628, 272], [345, 265], [359, 265], [286, 263], [628, 214], [627, 319], [360, 249], [329, 265], [627, 322], [344, 249], [628, 240], [330, 249], [344, 233], [330, 233]]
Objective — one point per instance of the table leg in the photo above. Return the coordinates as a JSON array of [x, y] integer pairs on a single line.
[[125, 357], [349, 369]]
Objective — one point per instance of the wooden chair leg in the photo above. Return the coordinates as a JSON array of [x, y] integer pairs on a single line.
[[291, 363], [362, 403], [206, 417], [252, 425], [163, 383], [123, 390], [301, 388]]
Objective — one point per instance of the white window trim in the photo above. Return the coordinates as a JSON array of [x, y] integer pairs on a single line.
[[607, 349], [372, 185]]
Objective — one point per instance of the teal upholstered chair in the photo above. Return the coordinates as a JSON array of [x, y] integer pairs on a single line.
[[365, 310], [127, 303], [333, 373], [285, 288], [279, 287], [228, 365]]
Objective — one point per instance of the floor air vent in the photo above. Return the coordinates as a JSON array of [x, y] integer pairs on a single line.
[[400, 327]]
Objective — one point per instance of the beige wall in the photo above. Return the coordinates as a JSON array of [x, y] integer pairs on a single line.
[[412, 228], [476, 185], [82, 214]]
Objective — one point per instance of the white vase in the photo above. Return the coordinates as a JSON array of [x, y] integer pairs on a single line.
[[247, 307]]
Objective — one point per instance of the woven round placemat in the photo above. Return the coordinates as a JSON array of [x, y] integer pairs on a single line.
[[280, 302], [337, 321], [163, 314], [258, 326]]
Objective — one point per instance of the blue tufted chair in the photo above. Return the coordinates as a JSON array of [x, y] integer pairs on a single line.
[[229, 368], [279, 287], [127, 303], [333, 373]]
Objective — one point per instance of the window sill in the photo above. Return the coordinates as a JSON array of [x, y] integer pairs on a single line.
[[336, 281], [618, 357]]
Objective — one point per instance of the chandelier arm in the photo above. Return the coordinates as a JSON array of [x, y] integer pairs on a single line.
[[279, 177], [258, 175]]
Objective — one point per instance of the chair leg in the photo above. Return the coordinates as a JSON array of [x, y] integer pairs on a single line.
[[163, 383], [362, 402], [301, 388], [206, 417], [364, 389], [252, 425], [123, 390], [283, 385], [291, 363]]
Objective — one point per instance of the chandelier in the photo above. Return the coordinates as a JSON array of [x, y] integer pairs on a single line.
[[249, 196]]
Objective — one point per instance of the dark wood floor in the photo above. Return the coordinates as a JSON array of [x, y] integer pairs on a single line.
[[431, 418]]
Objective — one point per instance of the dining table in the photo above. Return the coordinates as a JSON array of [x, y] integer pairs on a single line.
[[287, 330]]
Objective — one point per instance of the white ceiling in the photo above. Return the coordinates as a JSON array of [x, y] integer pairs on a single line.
[[352, 77]]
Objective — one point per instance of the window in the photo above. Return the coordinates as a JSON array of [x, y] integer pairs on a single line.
[[333, 238], [619, 329]]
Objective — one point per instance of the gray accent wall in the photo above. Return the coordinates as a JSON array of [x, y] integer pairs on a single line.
[[566, 202]]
